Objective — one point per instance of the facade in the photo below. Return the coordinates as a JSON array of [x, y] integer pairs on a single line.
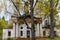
[[24, 31], [10, 32]]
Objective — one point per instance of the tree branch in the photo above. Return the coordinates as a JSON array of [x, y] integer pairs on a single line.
[[35, 3], [16, 7], [19, 13], [57, 3]]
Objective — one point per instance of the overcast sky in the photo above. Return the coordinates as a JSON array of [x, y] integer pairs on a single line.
[[9, 8]]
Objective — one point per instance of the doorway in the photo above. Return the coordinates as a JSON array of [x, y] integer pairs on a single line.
[[44, 33], [28, 33]]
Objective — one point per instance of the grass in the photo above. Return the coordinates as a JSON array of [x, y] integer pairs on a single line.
[[57, 38]]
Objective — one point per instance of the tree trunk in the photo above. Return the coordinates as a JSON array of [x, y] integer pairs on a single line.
[[51, 20], [32, 20]]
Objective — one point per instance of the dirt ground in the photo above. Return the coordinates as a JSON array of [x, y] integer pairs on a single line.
[[30, 39], [55, 38]]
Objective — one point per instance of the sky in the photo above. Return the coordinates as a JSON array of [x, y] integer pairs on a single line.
[[9, 8]]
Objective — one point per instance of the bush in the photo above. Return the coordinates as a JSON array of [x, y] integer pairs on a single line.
[[9, 38]]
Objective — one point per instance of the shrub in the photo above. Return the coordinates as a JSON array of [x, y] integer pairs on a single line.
[[9, 38]]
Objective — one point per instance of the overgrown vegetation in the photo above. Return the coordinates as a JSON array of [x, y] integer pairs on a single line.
[[9, 38], [2, 25]]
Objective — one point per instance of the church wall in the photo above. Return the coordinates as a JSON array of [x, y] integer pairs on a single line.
[[24, 31], [5, 33]]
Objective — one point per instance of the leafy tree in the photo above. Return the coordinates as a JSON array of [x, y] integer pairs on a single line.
[[2, 25], [44, 6], [41, 6]]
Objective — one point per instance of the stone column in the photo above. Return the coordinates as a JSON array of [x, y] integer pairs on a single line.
[[37, 30], [14, 29], [41, 30], [17, 30]]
